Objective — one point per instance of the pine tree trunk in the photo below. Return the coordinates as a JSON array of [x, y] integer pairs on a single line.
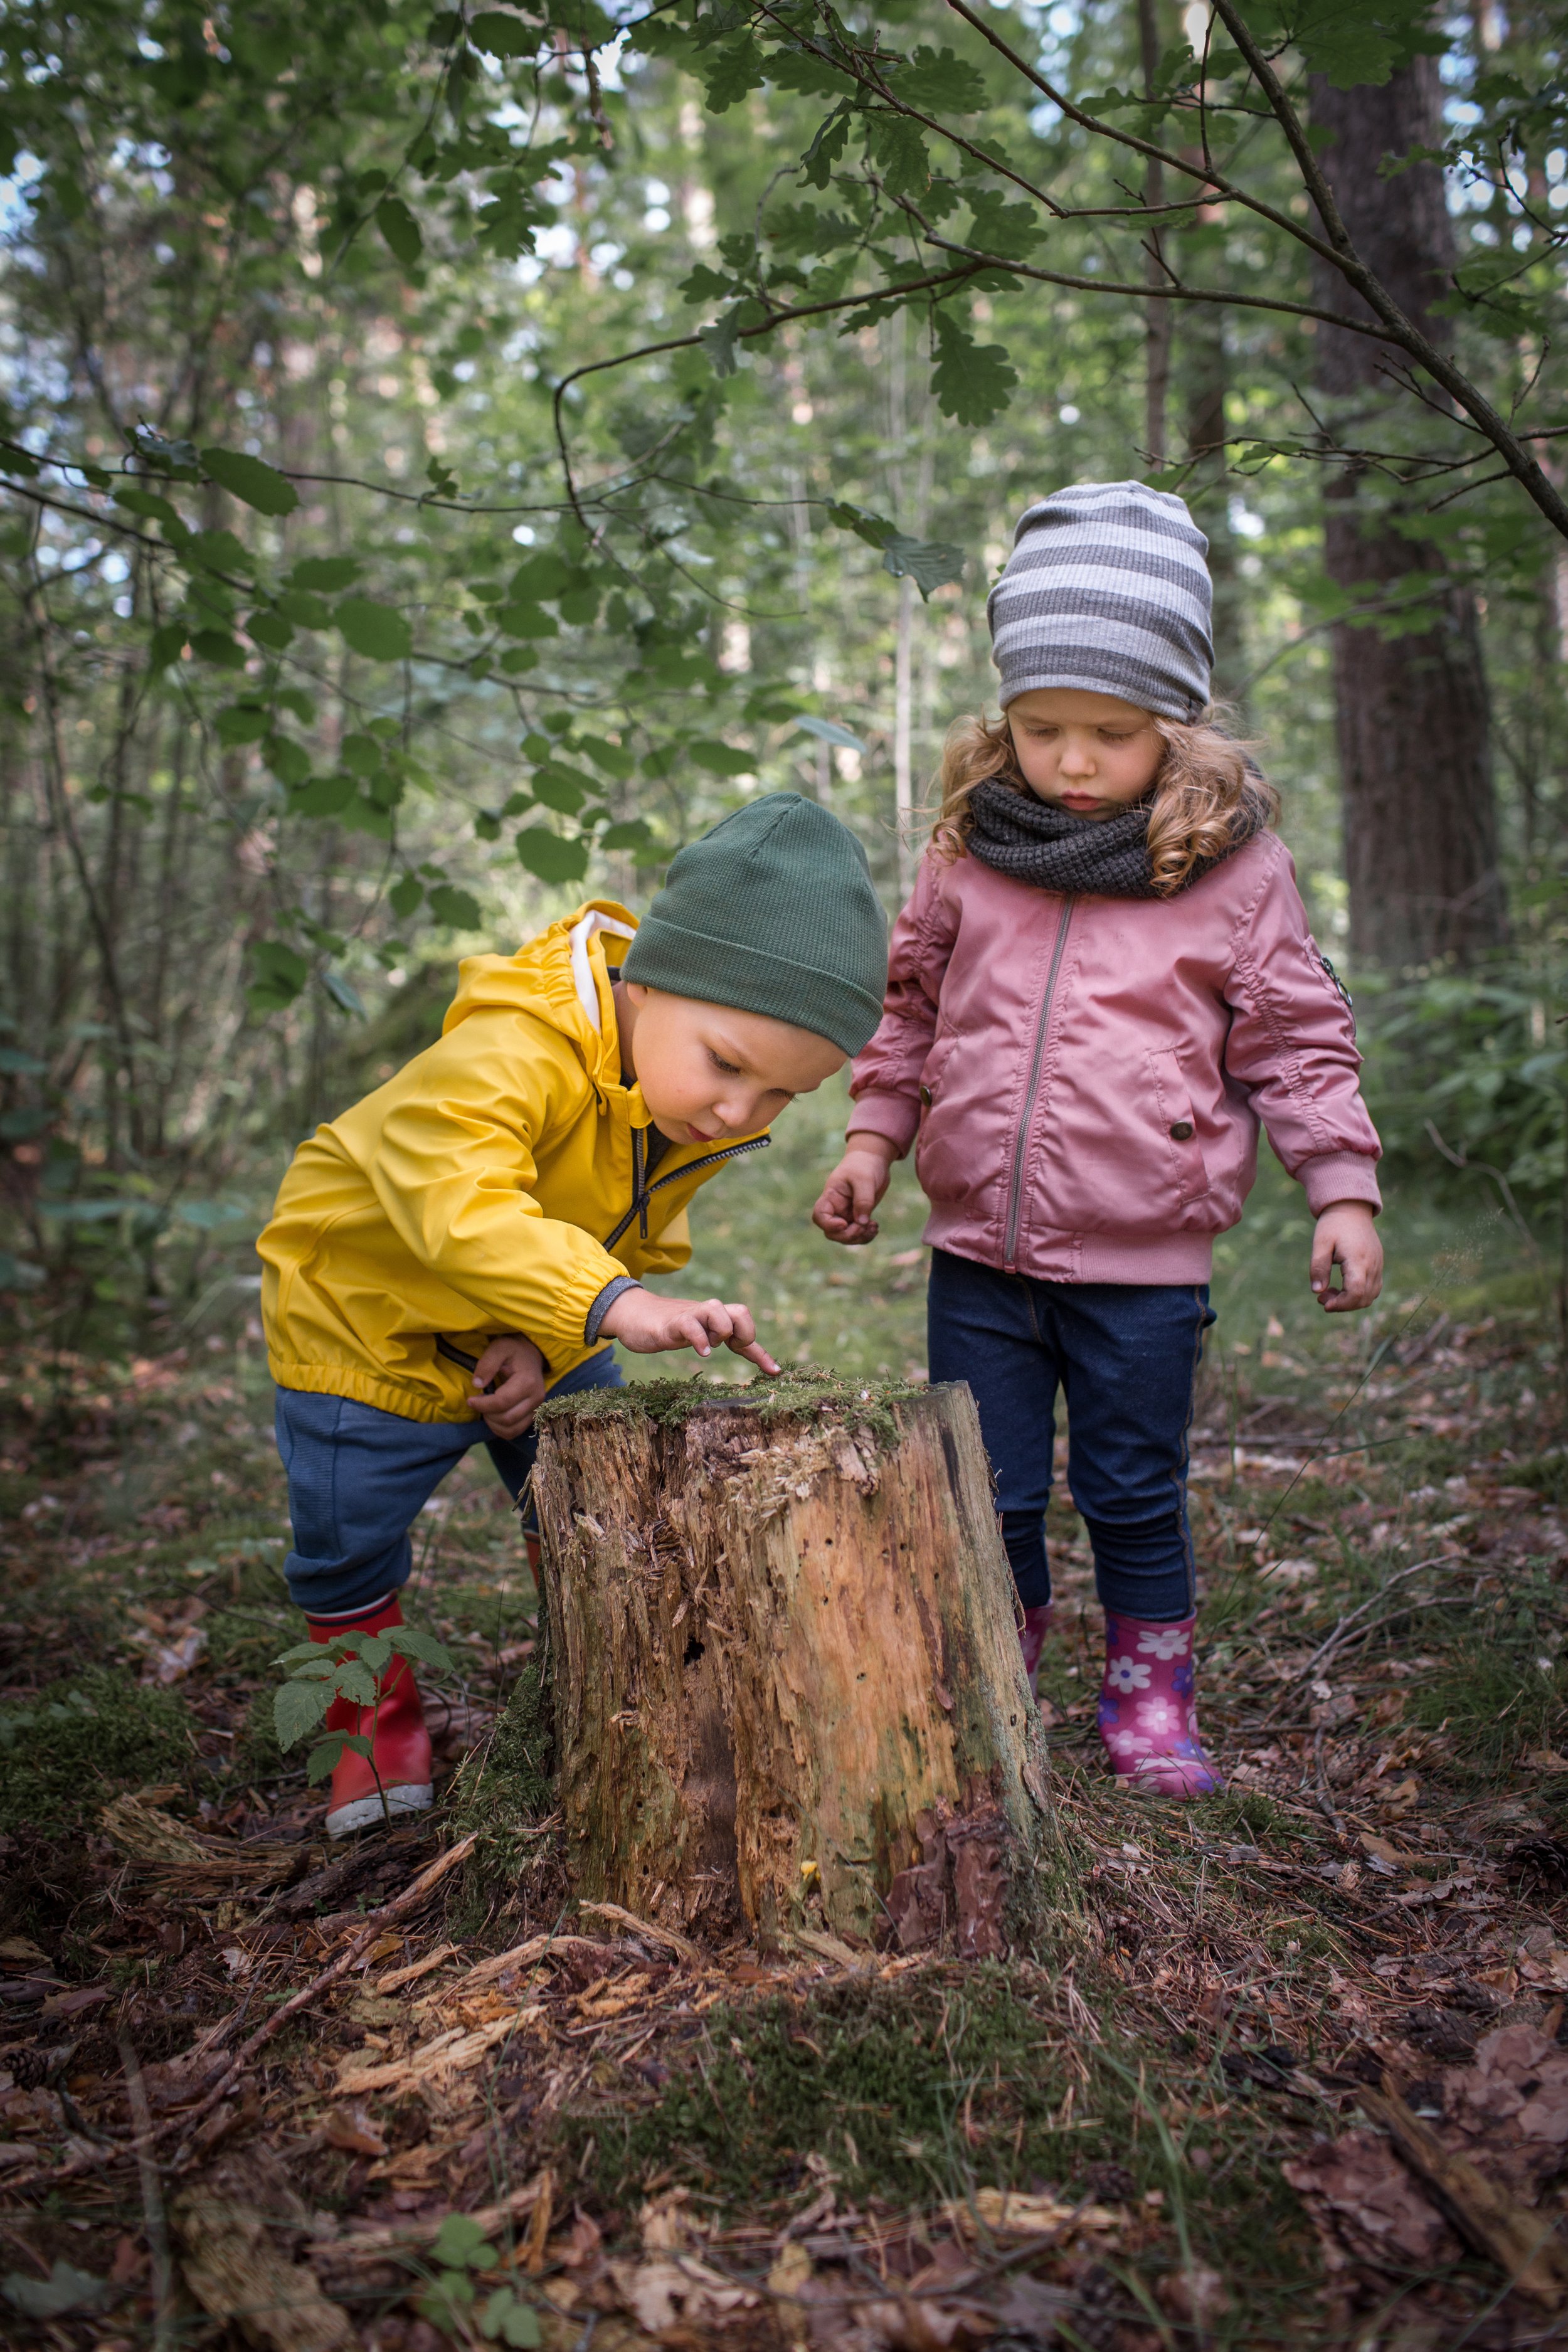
[[789, 1695], [1420, 817]]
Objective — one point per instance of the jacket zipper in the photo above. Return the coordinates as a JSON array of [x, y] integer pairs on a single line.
[[644, 1194], [1015, 1197]]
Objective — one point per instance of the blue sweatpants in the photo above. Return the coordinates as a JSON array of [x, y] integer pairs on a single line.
[[1125, 1356], [358, 1478]]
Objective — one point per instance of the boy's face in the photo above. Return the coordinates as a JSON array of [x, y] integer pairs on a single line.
[[709, 1073]]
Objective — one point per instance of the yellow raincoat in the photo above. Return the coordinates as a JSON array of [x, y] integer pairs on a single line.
[[491, 1186]]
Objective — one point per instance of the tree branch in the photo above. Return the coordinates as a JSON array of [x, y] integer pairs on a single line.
[[1401, 330]]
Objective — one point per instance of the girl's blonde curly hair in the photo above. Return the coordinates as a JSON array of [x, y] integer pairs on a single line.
[[1206, 795]]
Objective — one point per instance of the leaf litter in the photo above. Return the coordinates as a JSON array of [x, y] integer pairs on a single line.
[[1287, 2070]]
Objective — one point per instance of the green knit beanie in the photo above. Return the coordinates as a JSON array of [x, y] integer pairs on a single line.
[[773, 912]]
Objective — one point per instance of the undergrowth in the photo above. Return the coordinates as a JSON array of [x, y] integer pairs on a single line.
[[922, 2091], [505, 1789], [871, 2079], [65, 1751]]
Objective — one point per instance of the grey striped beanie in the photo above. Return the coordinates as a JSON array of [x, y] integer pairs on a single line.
[[1107, 589]]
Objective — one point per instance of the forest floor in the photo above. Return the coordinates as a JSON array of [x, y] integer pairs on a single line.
[[491, 2117]]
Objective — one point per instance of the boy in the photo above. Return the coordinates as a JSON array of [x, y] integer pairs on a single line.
[[467, 1240]]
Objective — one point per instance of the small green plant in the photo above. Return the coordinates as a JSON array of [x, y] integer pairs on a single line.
[[352, 1666], [449, 2301]]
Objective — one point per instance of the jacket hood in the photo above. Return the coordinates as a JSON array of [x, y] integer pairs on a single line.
[[553, 978]]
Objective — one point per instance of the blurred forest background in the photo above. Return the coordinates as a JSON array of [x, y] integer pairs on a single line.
[[363, 604]]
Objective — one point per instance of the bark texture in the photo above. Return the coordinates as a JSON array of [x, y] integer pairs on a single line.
[[789, 1693], [1420, 817]]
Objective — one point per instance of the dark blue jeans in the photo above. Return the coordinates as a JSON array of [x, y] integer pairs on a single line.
[[1125, 1356], [359, 1477]]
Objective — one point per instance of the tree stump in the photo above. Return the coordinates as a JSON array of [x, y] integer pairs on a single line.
[[788, 1689]]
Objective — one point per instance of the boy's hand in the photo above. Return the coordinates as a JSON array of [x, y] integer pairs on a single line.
[[854, 1189], [1347, 1237], [650, 1324], [517, 1367]]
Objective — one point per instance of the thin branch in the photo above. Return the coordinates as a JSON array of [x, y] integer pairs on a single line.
[[862, 301], [1401, 329], [1174, 292]]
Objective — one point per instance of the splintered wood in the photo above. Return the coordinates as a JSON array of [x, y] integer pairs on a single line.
[[788, 1686]]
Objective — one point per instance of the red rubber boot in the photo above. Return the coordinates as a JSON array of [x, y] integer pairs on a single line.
[[1032, 1635], [401, 1744]]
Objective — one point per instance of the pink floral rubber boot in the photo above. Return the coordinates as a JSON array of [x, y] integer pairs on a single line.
[[1032, 1635], [1147, 1717]]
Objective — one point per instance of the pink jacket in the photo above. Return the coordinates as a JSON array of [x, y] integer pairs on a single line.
[[1086, 1076]]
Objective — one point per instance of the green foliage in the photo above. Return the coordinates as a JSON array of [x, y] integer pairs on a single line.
[[449, 2300], [1346, 40], [1470, 1073], [374, 630], [973, 381], [870, 2077], [405, 504], [350, 1666], [63, 1753], [251, 480]]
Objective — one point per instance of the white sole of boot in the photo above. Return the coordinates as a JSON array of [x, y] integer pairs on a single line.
[[366, 1812]]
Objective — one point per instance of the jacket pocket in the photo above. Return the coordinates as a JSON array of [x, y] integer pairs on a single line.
[[935, 1063], [1174, 1110], [944, 1161]]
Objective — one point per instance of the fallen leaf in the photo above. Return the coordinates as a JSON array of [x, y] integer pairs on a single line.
[[679, 2289], [1196, 2296], [1367, 2207], [71, 2004], [236, 2273], [64, 2290], [1546, 1759], [1508, 2110], [351, 2129], [17, 1951]]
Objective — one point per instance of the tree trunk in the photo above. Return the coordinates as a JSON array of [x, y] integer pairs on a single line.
[[1420, 818], [788, 1690]]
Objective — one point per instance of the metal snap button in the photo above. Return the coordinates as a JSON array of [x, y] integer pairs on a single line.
[[1182, 1131]]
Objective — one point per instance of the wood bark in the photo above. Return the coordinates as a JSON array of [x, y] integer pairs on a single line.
[[789, 1695], [1412, 719]]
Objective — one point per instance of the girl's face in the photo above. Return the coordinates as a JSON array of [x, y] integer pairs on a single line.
[[1090, 754]]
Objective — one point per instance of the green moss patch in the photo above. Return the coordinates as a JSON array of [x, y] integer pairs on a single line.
[[63, 1753], [505, 1791], [907, 2089], [799, 1393]]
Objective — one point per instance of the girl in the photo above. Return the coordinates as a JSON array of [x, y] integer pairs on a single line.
[[1103, 983]]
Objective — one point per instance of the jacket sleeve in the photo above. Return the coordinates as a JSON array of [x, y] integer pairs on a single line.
[[885, 1082], [1292, 1049], [453, 1171]]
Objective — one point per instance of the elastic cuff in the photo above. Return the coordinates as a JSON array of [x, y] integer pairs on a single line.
[[1332, 1176], [896, 1117], [350, 1616], [603, 1304]]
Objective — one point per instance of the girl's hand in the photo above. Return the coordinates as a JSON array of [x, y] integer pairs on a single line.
[[518, 1370], [853, 1191], [650, 1324], [1347, 1237]]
